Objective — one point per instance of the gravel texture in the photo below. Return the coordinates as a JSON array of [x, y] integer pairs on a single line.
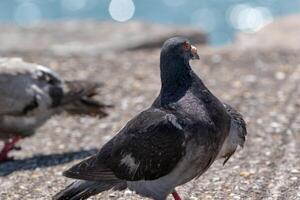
[[262, 83], [89, 37]]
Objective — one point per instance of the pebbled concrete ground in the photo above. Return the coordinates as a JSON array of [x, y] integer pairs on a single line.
[[262, 83]]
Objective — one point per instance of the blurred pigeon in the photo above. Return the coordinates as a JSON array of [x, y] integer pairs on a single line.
[[30, 94], [167, 145]]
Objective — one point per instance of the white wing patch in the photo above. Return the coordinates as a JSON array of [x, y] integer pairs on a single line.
[[131, 163], [173, 120]]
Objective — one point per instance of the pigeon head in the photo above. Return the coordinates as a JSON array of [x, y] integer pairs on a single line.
[[47, 75], [175, 68], [179, 48], [175, 56]]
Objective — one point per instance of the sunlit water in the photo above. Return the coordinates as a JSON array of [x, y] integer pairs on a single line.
[[220, 18]]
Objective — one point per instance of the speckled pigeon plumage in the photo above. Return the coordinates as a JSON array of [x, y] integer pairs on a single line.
[[237, 134], [30, 94], [172, 142]]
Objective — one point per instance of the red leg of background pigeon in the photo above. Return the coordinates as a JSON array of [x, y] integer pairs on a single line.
[[8, 146], [176, 195]]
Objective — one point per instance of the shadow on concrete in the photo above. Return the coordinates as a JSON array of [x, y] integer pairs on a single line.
[[43, 161]]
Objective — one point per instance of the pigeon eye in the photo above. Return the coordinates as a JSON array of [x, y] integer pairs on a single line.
[[186, 46]]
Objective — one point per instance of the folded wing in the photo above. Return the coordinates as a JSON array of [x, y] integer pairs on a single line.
[[148, 147]]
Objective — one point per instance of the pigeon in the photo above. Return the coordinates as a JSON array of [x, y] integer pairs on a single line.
[[31, 94], [172, 142]]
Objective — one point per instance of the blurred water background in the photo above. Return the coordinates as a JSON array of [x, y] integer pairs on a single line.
[[220, 18]]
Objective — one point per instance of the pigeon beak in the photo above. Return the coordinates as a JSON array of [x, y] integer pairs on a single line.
[[194, 53]]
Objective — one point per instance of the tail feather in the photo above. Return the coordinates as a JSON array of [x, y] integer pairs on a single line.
[[237, 134], [78, 99], [84, 189], [238, 122], [75, 90], [86, 106]]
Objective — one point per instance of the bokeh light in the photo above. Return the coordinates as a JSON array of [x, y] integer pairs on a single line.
[[121, 10], [174, 3], [204, 18], [249, 19], [73, 5], [220, 19], [27, 12]]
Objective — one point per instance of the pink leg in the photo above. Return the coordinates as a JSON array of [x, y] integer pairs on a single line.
[[176, 195], [8, 146]]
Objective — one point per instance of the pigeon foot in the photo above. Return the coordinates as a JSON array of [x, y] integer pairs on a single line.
[[8, 146], [176, 195]]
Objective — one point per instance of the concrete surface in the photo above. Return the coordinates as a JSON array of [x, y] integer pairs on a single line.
[[264, 84]]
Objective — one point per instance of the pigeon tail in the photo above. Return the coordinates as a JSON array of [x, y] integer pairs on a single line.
[[237, 134], [238, 124], [82, 189], [78, 99]]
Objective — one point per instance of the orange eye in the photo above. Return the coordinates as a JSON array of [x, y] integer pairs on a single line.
[[186, 46]]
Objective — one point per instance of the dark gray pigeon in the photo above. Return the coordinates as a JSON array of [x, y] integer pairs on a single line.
[[172, 142], [30, 94]]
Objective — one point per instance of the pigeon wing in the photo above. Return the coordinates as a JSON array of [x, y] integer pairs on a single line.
[[148, 147]]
